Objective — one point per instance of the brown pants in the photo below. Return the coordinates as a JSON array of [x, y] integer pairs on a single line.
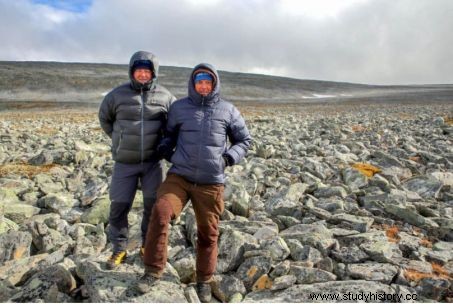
[[172, 196]]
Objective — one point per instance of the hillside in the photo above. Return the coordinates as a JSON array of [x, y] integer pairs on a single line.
[[87, 82]]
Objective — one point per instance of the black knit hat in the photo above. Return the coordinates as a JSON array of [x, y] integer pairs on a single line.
[[142, 64]]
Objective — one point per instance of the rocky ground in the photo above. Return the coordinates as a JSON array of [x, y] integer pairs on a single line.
[[335, 199]]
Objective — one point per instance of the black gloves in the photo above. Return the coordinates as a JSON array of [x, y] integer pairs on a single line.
[[229, 161]]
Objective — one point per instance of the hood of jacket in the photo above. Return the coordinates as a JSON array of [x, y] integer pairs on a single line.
[[214, 96], [142, 55]]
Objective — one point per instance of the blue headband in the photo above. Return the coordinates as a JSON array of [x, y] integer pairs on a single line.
[[202, 76]]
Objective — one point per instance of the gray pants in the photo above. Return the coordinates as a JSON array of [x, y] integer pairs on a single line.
[[123, 187]]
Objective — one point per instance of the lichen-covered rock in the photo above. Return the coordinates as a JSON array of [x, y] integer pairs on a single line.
[[14, 245], [252, 269], [383, 273], [98, 212], [224, 287], [345, 290], [46, 285], [425, 186], [306, 275]]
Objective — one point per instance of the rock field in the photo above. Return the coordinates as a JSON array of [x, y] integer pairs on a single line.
[[331, 198]]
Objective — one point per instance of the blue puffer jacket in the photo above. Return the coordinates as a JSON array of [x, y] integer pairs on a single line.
[[199, 127]]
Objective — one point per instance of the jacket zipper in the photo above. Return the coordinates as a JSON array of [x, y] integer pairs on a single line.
[[202, 130], [142, 123]]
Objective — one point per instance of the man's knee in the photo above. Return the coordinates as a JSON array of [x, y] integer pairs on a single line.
[[162, 211]]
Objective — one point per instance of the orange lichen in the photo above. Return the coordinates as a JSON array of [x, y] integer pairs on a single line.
[[426, 243], [264, 282], [252, 271], [366, 169], [392, 234], [440, 271], [414, 275]]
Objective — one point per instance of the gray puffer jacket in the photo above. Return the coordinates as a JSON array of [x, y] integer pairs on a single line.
[[199, 127], [134, 115]]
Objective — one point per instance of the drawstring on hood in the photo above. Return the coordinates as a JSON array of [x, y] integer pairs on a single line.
[[141, 56], [212, 97]]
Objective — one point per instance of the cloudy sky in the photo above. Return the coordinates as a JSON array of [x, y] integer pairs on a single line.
[[365, 41]]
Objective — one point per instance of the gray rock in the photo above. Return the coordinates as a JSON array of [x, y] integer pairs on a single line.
[[90, 239], [13, 271], [346, 291], [94, 189], [249, 227], [283, 282], [383, 273], [231, 250], [367, 237], [18, 213], [252, 269], [410, 215], [433, 288], [354, 178], [382, 251], [118, 286], [186, 266], [331, 191], [224, 287], [46, 285], [359, 223], [14, 245], [425, 186], [6, 291], [240, 201], [386, 160], [7, 225], [350, 254], [315, 235], [8, 196], [265, 233], [58, 202], [43, 158], [277, 247], [191, 294], [98, 212], [286, 201], [307, 275], [280, 269]]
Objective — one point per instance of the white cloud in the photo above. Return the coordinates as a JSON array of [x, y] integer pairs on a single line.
[[367, 41]]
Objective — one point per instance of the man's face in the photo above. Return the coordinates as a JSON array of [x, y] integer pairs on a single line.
[[143, 75], [203, 87]]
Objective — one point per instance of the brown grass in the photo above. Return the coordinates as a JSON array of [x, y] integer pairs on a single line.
[[392, 234], [358, 128], [366, 169], [24, 169], [448, 120], [426, 243], [47, 131]]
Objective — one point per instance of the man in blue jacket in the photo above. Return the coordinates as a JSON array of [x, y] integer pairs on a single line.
[[198, 126]]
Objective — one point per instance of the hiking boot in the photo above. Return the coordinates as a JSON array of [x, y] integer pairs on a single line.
[[204, 292], [116, 259], [145, 283]]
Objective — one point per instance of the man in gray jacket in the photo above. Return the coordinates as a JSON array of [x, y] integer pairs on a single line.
[[133, 115], [196, 144]]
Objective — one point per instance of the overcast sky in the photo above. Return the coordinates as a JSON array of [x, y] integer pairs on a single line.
[[364, 41]]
